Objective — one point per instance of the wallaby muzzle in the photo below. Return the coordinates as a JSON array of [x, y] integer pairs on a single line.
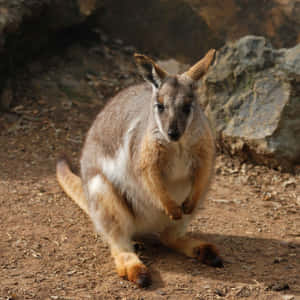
[[173, 133]]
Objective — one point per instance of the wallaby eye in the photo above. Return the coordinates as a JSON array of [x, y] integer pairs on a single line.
[[160, 107], [187, 108]]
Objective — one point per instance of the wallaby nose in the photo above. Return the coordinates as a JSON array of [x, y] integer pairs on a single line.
[[173, 134]]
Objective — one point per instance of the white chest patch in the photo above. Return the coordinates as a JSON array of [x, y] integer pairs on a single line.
[[97, 185], [179, 165], [116, 168]]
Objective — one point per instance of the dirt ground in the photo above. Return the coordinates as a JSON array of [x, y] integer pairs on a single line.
[[48, 247]]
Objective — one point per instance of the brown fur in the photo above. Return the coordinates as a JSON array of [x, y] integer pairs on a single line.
[[143, 59]]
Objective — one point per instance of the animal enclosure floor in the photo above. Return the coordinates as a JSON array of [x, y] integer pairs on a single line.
[[48, 247]]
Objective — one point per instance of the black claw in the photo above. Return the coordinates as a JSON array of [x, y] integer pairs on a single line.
[[217, 262], [144, 280], [211, 257]]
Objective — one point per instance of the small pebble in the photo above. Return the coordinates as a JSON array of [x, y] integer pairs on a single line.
[[288, 297], [278, 287]]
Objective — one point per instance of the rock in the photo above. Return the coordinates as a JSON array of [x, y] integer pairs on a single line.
[[278, 260], [244, 292], [288, 297], [14, 15], [185, 29], [32, 25], [220, 293], [278, 287], [251, 95], [6, 97]]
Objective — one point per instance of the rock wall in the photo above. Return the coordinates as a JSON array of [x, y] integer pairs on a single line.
[[31, 26], [252, 93], [183, 29], [252, 97], [186, 29]]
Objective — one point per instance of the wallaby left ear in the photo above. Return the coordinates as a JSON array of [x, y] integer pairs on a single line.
[[201, 67], [150, 70]]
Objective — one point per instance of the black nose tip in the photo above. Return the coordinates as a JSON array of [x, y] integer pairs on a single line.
[[173, 134]]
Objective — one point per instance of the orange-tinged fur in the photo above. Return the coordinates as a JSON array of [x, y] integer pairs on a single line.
[[71, 184], [143, 59], [202, 66], [153, 157], [201, 250], [160, 100], [202, 176], [129, 266]]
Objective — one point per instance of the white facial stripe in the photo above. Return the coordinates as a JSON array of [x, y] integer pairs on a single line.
[[156, 115], [156, 78], [154, 90], [158, 122]]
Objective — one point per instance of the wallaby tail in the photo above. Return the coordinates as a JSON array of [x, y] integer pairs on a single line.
[[70, 183]]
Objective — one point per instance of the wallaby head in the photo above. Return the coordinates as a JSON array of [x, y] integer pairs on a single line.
[[173, 100]]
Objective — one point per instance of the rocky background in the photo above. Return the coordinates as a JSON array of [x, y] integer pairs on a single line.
[[183, 29], [252, 93]]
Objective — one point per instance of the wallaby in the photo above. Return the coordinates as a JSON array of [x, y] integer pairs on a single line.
[[145, 167]]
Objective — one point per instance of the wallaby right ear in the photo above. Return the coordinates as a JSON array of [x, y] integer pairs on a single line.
[[150, 70]]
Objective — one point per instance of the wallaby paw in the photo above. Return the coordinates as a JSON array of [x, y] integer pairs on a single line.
[[187, 206], [130, 267], [208, 254], [174, 212]]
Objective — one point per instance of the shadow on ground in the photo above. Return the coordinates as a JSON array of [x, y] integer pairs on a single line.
[[246, 260]]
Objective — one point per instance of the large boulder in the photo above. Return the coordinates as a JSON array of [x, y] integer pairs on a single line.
[[252, 97], [41, 16], [30, 27], [186, 29]]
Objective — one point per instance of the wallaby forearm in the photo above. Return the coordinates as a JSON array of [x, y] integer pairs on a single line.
[[155, 184], [202, 174], [153, 157]]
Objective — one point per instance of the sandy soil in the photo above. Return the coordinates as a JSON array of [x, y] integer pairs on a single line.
[[48, 247]]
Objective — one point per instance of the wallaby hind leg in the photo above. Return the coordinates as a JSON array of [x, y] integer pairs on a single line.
[[114, 219], [206, 252]]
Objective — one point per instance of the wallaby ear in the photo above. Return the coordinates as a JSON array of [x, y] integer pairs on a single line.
[[201, 67], [150, 70]]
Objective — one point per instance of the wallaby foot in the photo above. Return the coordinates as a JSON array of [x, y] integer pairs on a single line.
[[130, 267], [205, 252]]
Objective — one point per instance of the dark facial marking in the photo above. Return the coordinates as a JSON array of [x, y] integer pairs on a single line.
[[160, 107], [186, 108]]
